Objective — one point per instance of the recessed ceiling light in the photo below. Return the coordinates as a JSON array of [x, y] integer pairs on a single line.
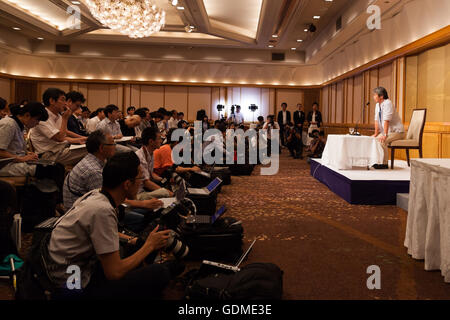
[[40, 38], [299, 40], [180, 8], [270, 46], [293, 49], [274, 36], [306, 30], [76, 2], [174, 2], [17, 28], [316, 17], [328, 0]]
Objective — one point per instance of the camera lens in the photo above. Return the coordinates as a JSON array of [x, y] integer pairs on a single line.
[[177, 247]]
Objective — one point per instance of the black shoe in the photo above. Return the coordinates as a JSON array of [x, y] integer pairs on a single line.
[[380, 166]]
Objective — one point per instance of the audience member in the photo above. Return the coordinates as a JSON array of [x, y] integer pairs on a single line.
[[73, 101], [4, 109], [51, 138], [110, 126], [13, 146], [87, 237], [130, 111], [151, 140], [173, 121], [98, 115], [128, 125]]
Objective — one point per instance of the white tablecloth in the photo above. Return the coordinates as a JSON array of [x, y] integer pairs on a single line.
[[428, 225], [345, 151]]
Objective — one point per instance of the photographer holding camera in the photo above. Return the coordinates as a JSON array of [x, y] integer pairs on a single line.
[[87, 234], [294, 141]]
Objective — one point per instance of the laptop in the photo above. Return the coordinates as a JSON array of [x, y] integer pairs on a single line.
[[205, 191], [228, 267], [179, 195], [203, 219]]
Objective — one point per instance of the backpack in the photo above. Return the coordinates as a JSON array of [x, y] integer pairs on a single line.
[[256, 281]]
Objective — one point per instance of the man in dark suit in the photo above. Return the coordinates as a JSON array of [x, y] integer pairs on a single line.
[[284, 117], [299, 120]]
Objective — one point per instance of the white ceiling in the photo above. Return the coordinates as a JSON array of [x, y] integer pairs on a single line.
[[232, 23]]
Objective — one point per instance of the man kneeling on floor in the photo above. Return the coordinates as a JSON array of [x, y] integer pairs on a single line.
[[87, 234]]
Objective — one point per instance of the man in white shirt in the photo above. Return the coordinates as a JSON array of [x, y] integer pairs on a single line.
[[92, 123], [173, 121], [237, 118], [388, 124], [151, 140], [51, 138]]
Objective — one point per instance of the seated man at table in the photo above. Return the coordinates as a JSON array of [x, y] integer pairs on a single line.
[[388, 124]]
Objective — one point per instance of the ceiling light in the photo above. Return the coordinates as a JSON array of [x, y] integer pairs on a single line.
[[174, 2], [306, 30], [76, 2], [189, 28], [274, 36], [17, 28], [40, 38], [316, 17], [299, 40], [270, 46], [134, 18], [293, 49], [180, 8]]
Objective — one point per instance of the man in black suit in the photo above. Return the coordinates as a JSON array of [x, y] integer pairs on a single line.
[[284, 117], [299, 120]]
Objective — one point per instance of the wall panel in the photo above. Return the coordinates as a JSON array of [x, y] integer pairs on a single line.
[[98, 95], [152, 97], [199, 98], [177, 98], [339, 103], [5, 89]]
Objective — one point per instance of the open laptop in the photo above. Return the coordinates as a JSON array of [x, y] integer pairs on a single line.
[[203, 219], [205, 191], [179, 195], [228, 267]]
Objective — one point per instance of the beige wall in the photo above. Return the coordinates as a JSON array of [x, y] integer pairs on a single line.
[[428, 83], [343, 101], [5, 89]]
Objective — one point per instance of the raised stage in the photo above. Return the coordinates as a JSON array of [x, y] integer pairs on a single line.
[[362, 186]]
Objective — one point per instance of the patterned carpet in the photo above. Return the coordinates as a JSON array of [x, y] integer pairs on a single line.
[[323, 244]]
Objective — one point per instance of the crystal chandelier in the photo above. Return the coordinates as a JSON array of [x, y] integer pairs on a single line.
[[134, 18]]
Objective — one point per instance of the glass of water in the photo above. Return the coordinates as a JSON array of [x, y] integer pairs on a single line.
[[351, 130]]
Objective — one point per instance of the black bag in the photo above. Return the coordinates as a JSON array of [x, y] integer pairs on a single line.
[[205, 204], [256, 281], [219, 241], [37, 206]]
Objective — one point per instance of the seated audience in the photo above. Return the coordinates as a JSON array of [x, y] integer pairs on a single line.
[[85, 113], [98, 115], [128, 125], [163, 157], [130, 111], [13, 146], [151, 140], [111, 126], [173, 121], [87, 237], [74, 100], [51, 138]]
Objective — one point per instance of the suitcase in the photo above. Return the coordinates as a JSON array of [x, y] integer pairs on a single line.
[[221, 241]]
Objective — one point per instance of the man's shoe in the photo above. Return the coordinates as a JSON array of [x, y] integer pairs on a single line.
[[380, 166]]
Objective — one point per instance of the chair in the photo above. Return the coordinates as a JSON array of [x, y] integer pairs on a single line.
[[413, 138]]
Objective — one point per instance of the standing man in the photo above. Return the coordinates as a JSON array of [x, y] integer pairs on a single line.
[[284, 117], [388, 124], [314, 120], [299, 120]]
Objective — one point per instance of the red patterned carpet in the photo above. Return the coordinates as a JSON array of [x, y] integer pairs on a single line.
[[323, 244]]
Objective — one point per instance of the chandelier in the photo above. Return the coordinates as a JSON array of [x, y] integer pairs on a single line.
[[134, 18]]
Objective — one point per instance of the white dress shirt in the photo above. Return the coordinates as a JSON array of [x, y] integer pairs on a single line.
[[92, 123], [284, 117], [147, 164], [41, 135], [388, 113]]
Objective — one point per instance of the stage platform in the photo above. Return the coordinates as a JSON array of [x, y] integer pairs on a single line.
[[362, 186]]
